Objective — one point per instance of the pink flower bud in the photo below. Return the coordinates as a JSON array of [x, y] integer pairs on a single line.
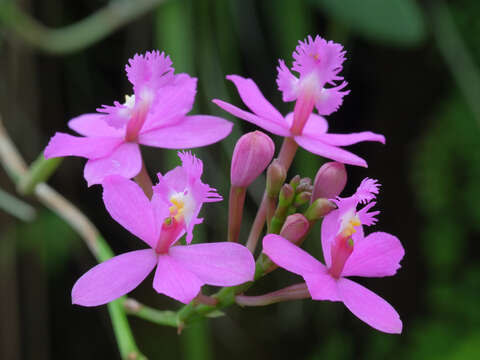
[[252, 153], [276, 175], [329, 181], [295, 228]]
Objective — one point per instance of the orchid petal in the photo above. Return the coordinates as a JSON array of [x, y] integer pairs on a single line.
[[113, 278], [129, 206], [126, 161], [330, 99], [254, 99], [219, 264], [330, 227], [274, 127], [369, 307], [377, 256], [193, 131], [287, 82], [314, 126], [350, 139], [152, 70], [289, 256], [174, 280], [322, 286], [317, 146], [172, 103], [93, 125], [62, 144]]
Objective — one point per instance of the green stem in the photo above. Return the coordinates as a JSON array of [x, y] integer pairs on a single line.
[[79, 35], [16, 207], [40, 170], [226, 297], [167, 318], [197, 342], [16, 168], [126, 343]]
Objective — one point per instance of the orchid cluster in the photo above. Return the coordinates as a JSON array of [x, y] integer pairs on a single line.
[[164, 215]]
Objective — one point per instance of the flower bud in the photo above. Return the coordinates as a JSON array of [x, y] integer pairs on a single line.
[[276, 175], [295, 228], [304, 185], [252, 153], [302, 198], [286, 196], [319, 208], [330, 180], [295, 181]]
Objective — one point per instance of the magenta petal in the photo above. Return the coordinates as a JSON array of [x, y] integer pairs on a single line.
[[272, 126], [113, 278], [172, 102], [322, 286], [330, 227], [220, 264], [62, 144], [317, 146], [349, 139], [369, 307], [314, 126], [287, 82], [129, 206], [93, 125], [378, 255], [126, 161], [193, 131], [174, 280], [329, 100], [289, 256], [254, 99]]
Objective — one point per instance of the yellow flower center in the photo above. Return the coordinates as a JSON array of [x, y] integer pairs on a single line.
[[178, 208], [349, 228]]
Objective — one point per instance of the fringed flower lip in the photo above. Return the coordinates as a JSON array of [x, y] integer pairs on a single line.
[[155, 115], [181, 269], [313, 137], [347, 252]]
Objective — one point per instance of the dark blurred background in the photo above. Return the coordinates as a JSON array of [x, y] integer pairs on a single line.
[[412, 69]]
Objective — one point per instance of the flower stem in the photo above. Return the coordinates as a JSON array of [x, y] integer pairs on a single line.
[[16, 168], [257, 226], [126, 343], [40, 171], [287, 153], [77, 36], [235, 212], [167, 318], [293, 292]]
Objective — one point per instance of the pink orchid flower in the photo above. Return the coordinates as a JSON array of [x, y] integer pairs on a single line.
[[185, 192], [154, 116], [181, 269], [318, 63], [347, 253], [313, 136]]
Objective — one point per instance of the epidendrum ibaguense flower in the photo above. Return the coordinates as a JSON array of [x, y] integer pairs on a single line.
[[155, 115], [160, 223], [347, 252], [318, 62]]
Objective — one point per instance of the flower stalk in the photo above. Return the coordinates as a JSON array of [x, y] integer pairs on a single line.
[[235, 212], [293, 292]]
